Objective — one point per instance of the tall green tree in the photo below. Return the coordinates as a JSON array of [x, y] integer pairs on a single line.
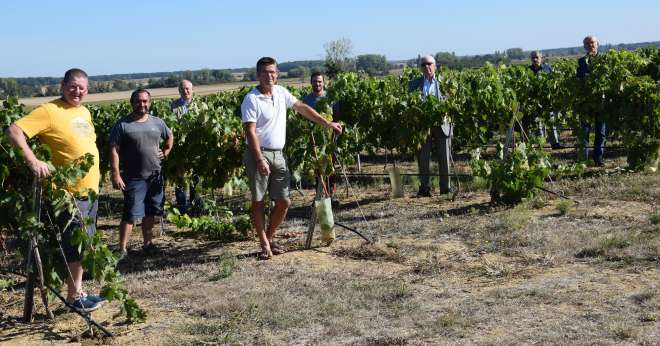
[[373, 64]]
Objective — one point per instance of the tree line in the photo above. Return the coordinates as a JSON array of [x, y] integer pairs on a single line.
[[338, 58]]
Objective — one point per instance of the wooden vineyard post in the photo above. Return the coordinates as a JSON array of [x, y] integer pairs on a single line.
[[33, 255], [310, 228], [42, 283], [28, 304], [312, 218]]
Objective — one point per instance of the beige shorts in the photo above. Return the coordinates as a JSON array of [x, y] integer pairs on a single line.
[[276, 184]]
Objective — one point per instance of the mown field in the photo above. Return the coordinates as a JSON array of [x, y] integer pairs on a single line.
[[440, 272], [104, 98]]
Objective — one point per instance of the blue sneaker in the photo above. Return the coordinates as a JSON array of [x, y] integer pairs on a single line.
[[94, 298], [85, 305]]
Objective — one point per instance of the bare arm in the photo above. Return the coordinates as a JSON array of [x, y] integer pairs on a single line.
[[167, 147], [309, 113], [115, 176], [17, 139], [255, 148]]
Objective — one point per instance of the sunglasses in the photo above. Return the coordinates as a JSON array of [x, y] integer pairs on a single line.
[[426, 64]]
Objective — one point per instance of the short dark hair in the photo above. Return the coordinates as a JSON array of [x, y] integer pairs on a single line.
[[315, 74], [74, 73], [137, 92], [265, 61]]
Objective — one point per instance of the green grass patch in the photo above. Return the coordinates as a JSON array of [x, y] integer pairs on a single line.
[[616, 242], [4, 284], [564, 206], [517, 218], [227, 265], [654, 218]]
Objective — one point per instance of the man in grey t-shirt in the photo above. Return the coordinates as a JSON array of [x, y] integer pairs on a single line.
[[135, 148]]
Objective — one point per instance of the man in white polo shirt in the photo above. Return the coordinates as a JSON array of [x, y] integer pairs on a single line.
[[264, 120]]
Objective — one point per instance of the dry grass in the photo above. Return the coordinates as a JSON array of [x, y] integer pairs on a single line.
[[440, 272]]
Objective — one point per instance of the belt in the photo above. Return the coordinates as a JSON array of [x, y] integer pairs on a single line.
[[269, 149]]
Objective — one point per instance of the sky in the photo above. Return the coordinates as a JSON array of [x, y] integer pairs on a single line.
[[45, 38]]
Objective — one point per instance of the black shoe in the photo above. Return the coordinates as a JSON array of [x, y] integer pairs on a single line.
[[123, 255], [150, 249], [599, 163], [424, 193]]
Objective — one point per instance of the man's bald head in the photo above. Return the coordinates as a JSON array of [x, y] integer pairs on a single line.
[[591, 44], [186, 90]]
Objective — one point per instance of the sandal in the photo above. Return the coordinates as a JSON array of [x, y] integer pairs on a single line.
[[276, 248], [263, 256]]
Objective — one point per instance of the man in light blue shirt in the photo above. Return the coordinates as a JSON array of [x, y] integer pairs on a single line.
[[179, 107], [430, 86]]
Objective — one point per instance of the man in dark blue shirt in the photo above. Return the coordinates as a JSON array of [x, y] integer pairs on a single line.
[[318, 90], [591, 48]]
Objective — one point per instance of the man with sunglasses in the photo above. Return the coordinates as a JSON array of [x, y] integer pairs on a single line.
[[429, 85]]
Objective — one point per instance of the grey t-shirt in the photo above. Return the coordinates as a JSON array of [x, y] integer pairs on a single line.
[[139, 143]]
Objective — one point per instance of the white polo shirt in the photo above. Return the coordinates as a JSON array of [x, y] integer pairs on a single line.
[[269, 113]]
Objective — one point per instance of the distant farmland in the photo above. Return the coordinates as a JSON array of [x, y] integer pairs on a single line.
[[158, 93]]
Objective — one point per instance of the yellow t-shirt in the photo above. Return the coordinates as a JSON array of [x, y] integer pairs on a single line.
[[69, 132]]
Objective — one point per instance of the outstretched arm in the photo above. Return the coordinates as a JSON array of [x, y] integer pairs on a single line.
[[309, 113]]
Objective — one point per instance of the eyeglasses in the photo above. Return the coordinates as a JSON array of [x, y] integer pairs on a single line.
[[426, 64]]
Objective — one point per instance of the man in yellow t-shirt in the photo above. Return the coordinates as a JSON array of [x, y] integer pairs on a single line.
[[65, 125]]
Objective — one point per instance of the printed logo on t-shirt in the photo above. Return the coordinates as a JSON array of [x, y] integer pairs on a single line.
[[81, 127]]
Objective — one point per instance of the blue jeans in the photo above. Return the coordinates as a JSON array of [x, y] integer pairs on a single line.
[[600, 129]]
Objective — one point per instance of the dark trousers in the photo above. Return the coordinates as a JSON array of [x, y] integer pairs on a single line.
[[600, 130], [183, 201], [424, 158], [539, 127]]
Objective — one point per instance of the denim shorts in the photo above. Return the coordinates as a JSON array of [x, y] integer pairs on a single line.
[[142, 197], [85, 211]]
